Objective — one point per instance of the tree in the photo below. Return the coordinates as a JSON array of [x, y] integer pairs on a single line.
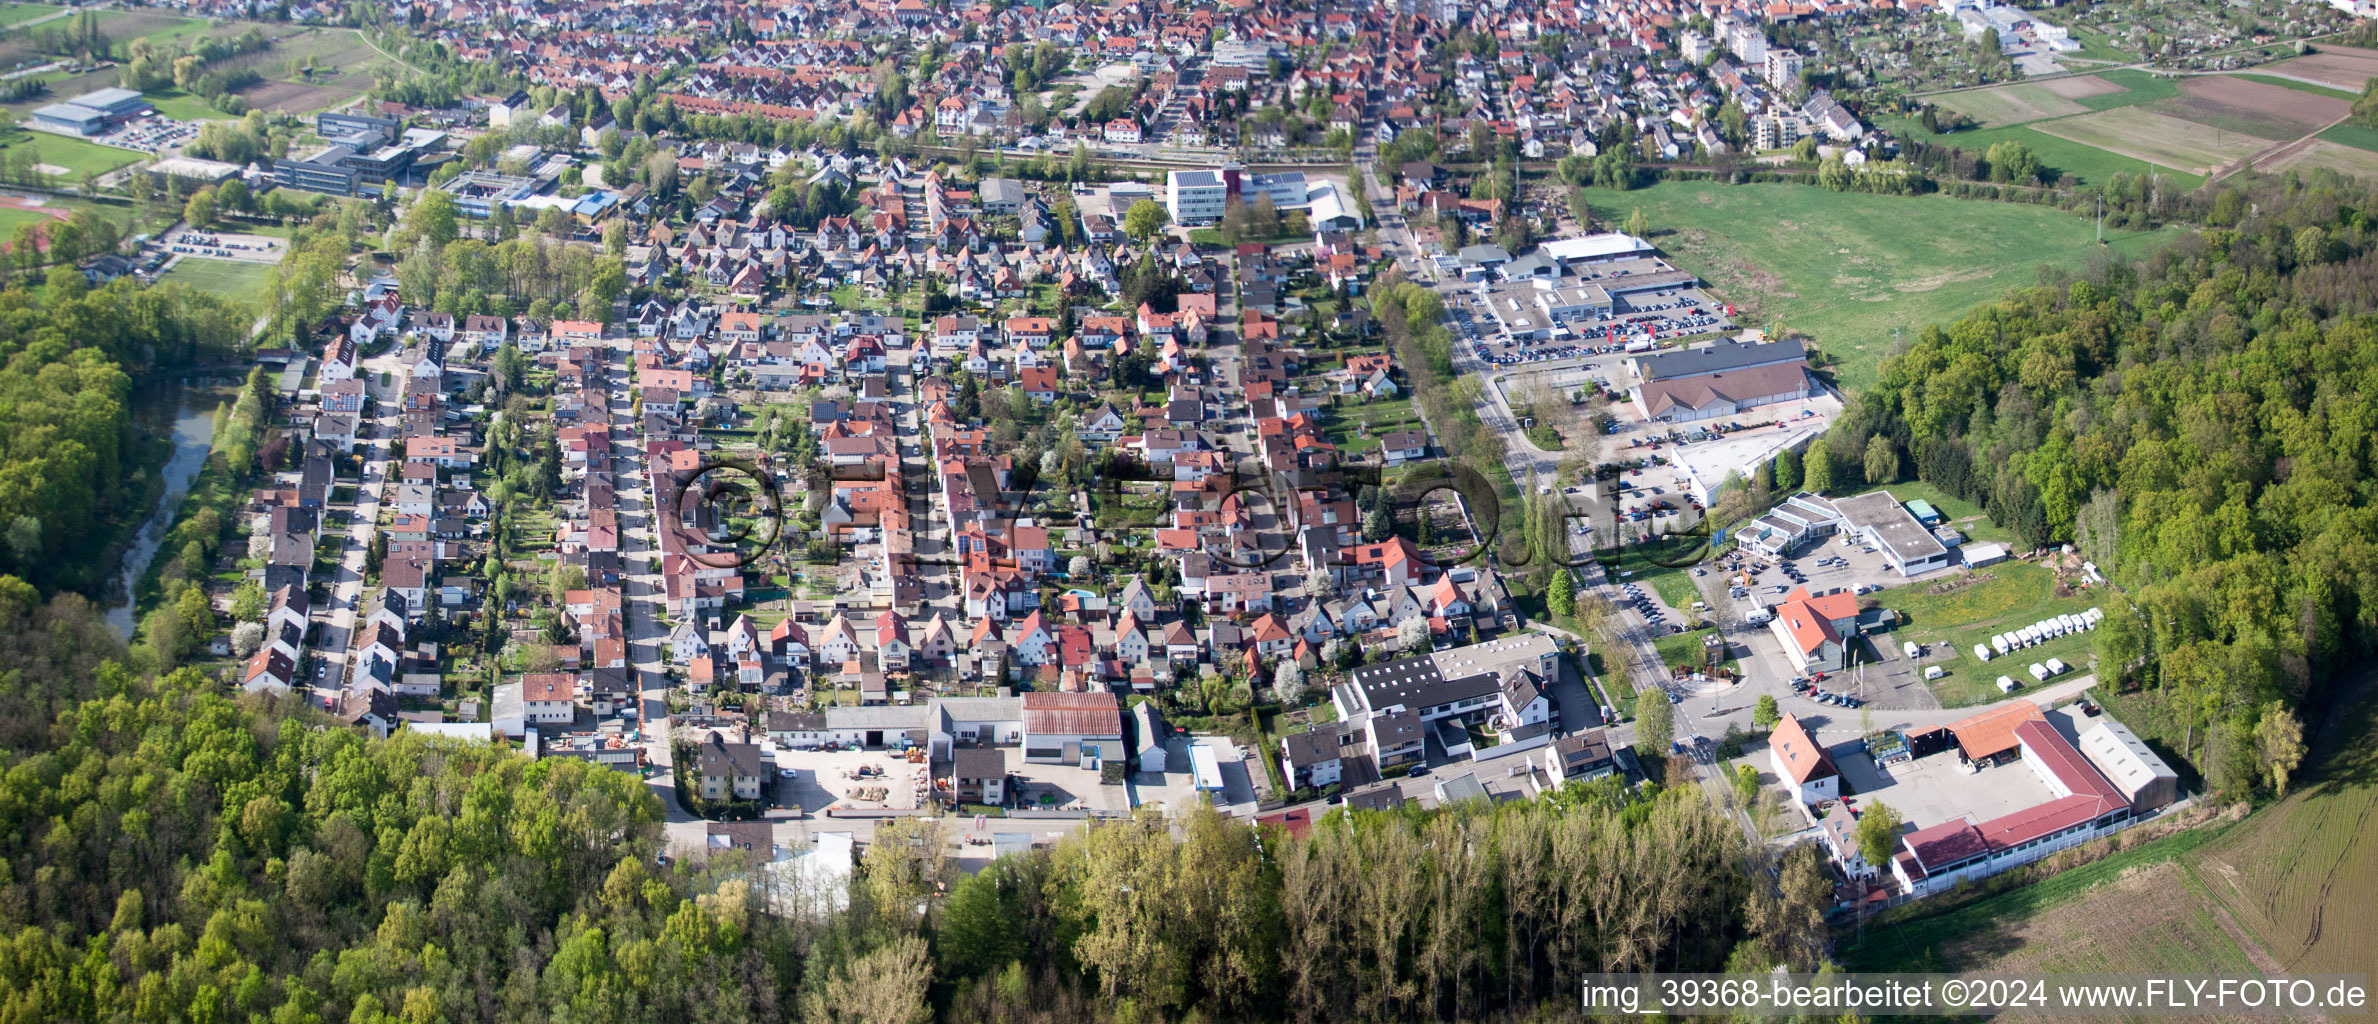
[[1638, 225], [1412, 634], [1818, 467], [1337, 652], [1878, 834], [1787, 471], [1321, 583], [246, 637], [1561, 594], [436, 215], [1144, 219], [2280, 738], [248, 603], [886, 986], [1765, 714], [1378, 524], [1078, 567], [1288, 683], [1655, 720], [200, 210], [1882, 460]]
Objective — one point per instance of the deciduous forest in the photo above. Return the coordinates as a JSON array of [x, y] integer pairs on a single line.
[[2202, 426]]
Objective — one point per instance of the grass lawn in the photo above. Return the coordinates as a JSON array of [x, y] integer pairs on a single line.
[[1844, 269], [182, 106], [2099, 46], [2353, 135], [18, 14], [1681, 648], [2017, 595], [164, 32], [1356, 425], [77, 156], [1674, 584]]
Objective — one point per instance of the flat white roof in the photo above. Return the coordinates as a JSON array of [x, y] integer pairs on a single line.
[[1613, 243], [1207, 765]]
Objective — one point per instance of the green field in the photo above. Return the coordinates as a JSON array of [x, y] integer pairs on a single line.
[[77, 156], [18, 14], [2140, 86], [223, 277], [2353, 135], [152, 26], [1845, 269], [2017, 595], [182, 106]]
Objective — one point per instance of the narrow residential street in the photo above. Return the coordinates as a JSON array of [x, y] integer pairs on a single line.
[[381, 448]]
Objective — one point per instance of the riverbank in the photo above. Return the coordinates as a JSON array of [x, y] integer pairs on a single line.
[[177, 424]]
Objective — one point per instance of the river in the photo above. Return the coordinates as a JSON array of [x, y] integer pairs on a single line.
[[189, 411]]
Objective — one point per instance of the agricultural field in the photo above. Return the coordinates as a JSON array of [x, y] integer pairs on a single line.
[[2352, 135], [2093, 126], [1972, 607], [342, 68], [1843, 269], [2015, 104], [2158, 139], [2260, 109], [2343, 67], [2133, 911], [2321, 153], [2285, 868]]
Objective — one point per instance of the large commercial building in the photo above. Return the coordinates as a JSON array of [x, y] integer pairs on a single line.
[[92, 112], [2082, 805], [1720, 380], [1196, 197], [1883, 522]]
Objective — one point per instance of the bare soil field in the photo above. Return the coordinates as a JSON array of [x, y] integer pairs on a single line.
[[2014, 104], [298, 98], [2340, 66], [2080, 86], [2157, 138], [2323, 153], [2152, 918], [2253, 108]]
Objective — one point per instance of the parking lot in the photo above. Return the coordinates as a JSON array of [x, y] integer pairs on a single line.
[[216, 245], [831, 778], [153, 134], [1638, 323]]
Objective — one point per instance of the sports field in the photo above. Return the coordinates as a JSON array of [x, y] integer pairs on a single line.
[[1844, 268], [77, 156], [222, 277]]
